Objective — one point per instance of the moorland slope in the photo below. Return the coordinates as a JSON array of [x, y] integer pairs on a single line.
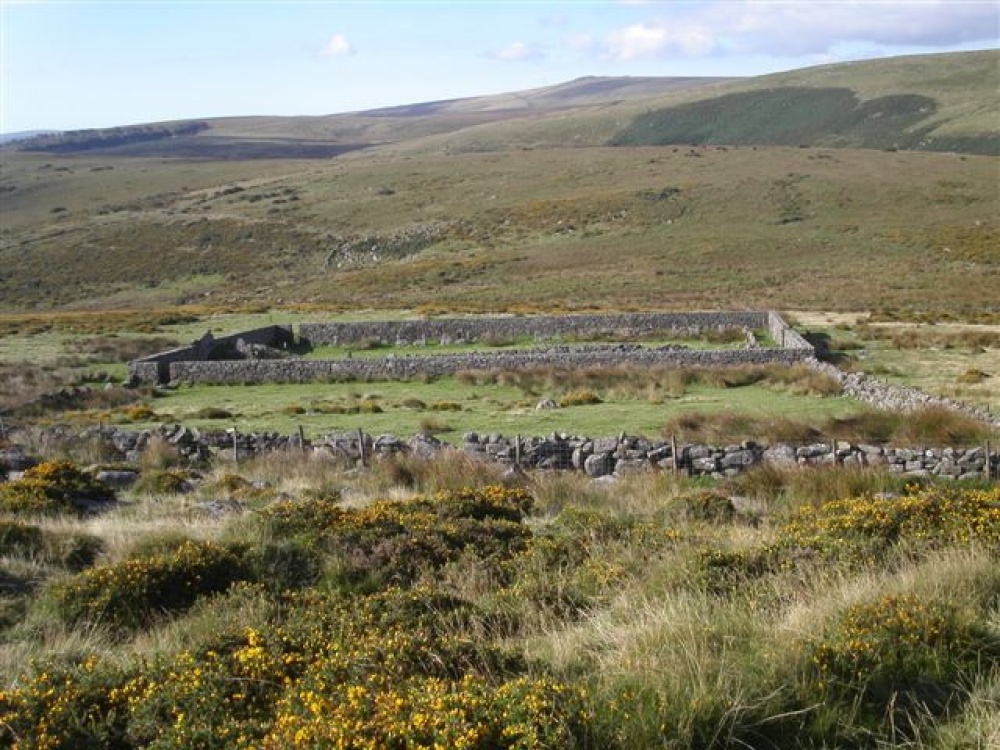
[[451, 212]]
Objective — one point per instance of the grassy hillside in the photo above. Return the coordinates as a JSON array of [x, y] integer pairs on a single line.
[[326, 136], [935, 102], [647, 227], [481, 209]]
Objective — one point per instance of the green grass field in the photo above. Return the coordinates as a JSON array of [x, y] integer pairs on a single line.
[[452, 408]]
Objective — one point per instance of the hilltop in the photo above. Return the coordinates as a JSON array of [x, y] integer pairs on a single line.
[[944, 102]]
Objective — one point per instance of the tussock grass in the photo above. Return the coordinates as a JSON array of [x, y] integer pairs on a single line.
[[448, 470], [815, 484], [932, 426]]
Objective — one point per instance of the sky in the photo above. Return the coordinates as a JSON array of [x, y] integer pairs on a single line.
[[75, 64]]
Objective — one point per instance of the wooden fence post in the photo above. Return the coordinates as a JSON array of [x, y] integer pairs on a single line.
[[302, 439], [361, 447], [673, 453], [517, 451]]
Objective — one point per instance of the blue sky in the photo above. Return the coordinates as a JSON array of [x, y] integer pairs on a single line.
[[82, 64]]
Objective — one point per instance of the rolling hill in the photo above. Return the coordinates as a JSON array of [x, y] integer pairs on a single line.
[[519, 202]]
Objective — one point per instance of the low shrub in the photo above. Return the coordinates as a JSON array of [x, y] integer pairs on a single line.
[[934, 516], [72, 550], [213, 412], [369, 406], [164, 482], [134, 592], [446, 406], [140, 413], [289, 518], [53, 487], [897, 654], [433, 425], [579, 397], [470, 713], [67, 706], [396, 540], [973, 376]]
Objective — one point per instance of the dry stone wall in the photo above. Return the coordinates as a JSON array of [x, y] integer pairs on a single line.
[[156, 367], [202, 363], [406, 367], [888, 396], [596, 457], [535, 326]]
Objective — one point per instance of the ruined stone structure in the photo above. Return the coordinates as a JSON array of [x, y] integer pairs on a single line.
[[226, 360]]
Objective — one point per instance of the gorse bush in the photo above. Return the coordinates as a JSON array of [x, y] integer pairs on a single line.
[[897, 653], [133, 592], [579, 397], [140, 413], [301, 517], [67, 706], [396, 540], [372, 671], [53, 487], [643, 614], [464, 714], [935, 517]]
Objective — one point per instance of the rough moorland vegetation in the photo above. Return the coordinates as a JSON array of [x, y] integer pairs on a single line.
[[431, 606], [504, 216]]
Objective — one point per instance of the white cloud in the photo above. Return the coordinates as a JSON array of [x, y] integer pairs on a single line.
[[518, 52], [655, 40], [800, 27], [338, 46], [810, 27]]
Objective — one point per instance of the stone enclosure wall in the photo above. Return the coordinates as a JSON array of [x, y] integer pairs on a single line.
[[156, 367], [595, 457], [209, 362]]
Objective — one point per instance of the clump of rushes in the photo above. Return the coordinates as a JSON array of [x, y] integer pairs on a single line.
[[579, 397], [53, 487], [140, 413]]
